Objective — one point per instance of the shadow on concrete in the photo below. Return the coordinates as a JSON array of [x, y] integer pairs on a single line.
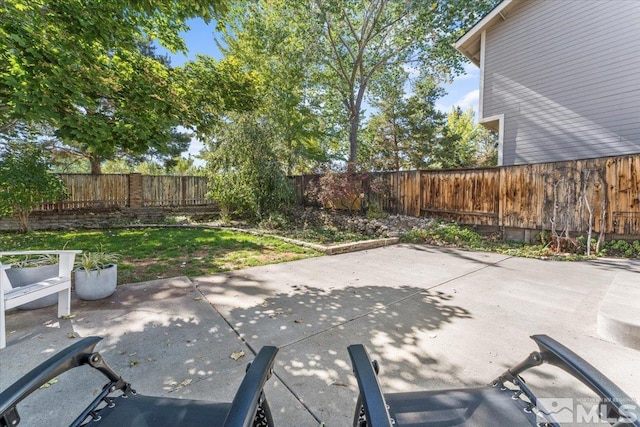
[[314, 326], [161, 336], [456, 253]]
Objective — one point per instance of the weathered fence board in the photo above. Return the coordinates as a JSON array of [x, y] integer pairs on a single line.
[[114, 191], [403, 195], [92, 192], [602, 194], [174, 190], [467, 196]]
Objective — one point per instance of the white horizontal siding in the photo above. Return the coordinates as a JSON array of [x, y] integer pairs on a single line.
[[566, 75]]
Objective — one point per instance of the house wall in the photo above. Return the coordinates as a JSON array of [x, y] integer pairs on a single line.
[[566, 76]]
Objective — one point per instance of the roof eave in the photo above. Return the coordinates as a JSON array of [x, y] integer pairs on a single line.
[[469, 43]]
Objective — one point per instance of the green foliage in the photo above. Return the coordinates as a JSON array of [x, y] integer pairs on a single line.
[[356, 41], [319, 63], [247, 178], [443, 233], [216, 87], [408, 132], [87, 68], [471, 144], [26, 181], [178, 166], [622, 248], [374, 211], [96, 260], [270, 38], [153, 253]]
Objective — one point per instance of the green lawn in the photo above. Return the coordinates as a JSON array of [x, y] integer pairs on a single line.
[[154, 253]]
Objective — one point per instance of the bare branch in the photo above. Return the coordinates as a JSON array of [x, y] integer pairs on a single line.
[[341, 69]]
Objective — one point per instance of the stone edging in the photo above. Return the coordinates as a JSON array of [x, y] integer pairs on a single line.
[[328, 250]]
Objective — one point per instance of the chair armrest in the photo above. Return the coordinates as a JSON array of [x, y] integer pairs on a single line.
[[5, 286], [375, 406], [69, 358], [558, 355], [40, 252], [66, 258], [245, 403]]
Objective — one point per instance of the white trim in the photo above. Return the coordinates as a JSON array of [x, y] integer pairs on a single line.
[[483, 37], [500, 119], [497, 11]]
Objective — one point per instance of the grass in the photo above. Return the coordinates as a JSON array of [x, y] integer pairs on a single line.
[[155, 253], [443, 233], [321, 235]]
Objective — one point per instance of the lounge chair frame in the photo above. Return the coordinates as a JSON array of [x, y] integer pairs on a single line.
[[510, 397], [249, 406]]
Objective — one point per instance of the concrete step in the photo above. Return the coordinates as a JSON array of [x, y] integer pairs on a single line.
[[619, 312]]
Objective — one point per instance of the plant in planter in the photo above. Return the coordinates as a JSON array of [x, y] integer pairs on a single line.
[[96, 275], [30, 270]]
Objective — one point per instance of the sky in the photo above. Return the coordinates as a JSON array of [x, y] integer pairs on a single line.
[[463, 92]]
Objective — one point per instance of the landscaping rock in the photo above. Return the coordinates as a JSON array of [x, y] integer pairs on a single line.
[[391, 226]]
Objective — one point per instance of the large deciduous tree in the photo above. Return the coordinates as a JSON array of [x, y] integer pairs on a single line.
[[358, 40], [81, 67], [271, 38]]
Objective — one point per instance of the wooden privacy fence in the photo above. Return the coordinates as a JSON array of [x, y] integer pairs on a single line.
[[175, 191], [134, 191], [563, 196]]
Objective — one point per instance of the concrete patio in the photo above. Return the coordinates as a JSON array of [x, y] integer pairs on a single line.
[[433, 317]]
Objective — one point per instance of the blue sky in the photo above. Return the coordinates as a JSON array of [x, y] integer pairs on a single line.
[[463, 92]]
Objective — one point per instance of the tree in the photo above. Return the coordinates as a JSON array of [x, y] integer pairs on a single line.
[[269, 38], [133, 112], [471, 144], [26, 181], [408, 132], [386, 130], [81, 67], [178, 166], [360, 39], [248, 180], [216, 88]]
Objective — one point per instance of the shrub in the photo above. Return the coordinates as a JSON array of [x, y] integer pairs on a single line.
[[622, 248], [348, 190], [337, 190], [248, 180], [444, 233], [26, 181]]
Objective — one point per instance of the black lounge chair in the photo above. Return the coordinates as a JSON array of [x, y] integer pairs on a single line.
[[506, 401], [120, 406]]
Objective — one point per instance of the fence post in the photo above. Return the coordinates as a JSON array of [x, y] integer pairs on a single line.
[[136, 196], [183, 191]]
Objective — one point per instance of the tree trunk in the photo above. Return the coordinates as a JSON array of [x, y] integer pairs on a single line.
[[23, 216], [354, 124], [96, 167]]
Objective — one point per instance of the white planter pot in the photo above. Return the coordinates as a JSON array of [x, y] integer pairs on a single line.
[[96, 284], [28, 275]]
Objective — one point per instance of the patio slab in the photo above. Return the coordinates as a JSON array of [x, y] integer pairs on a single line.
[[162, 336], [283, 303], [433, 317]]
